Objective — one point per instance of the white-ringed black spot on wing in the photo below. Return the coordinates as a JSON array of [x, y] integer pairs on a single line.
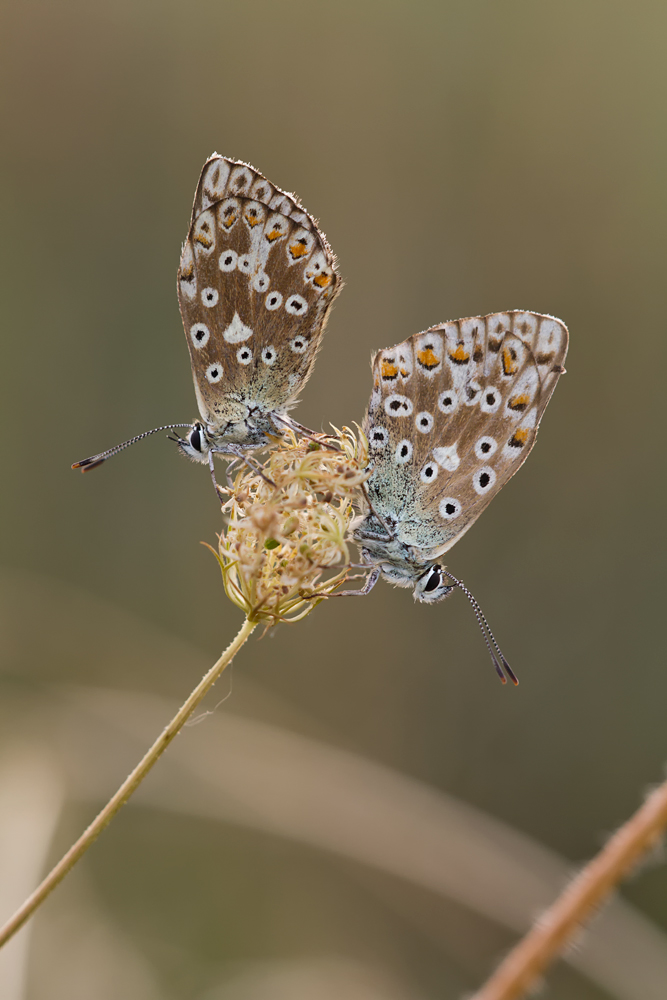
[[483, 480], [214, 372], [429, 472], [228, 260], [209, 297], [261, 281], [448, 401], [296, 305], [424, 422], [491, 400], [244, 355], [377, 438], [485, 447], [269, 355], [199, 334], [244, 264], [449, 508], [299, 344], [273, 300], [397, 405], [403, 452]]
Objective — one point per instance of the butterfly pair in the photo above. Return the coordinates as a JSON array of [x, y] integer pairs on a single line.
[[453, 413]]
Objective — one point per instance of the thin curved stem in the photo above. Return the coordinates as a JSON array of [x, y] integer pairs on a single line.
[[588, 890], [131, 783]]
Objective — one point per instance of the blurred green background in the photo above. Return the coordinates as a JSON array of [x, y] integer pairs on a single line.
[[462, 157]]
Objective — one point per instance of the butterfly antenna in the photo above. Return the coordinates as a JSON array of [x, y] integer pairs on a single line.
[[488, 635], [91, 463]]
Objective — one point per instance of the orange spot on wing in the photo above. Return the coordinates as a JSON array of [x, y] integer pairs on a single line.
[[322, 280], [297, 250], [519, 402], [273, 235], [205, 240], [460, 355], [519, 438], [229, 220], [427, 359], [389, 370], [510, 363], [251, 219]]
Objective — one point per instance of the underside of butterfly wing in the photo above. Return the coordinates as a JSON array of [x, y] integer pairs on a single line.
[[256, 282], [453, 415]]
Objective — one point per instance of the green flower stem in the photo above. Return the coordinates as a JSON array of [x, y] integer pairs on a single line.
[[131, 783]]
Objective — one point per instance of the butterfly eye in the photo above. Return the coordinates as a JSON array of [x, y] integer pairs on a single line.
[[195, 439], [434, 580]]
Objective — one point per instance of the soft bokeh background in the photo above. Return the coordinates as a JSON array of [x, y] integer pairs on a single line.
[[463, 157]]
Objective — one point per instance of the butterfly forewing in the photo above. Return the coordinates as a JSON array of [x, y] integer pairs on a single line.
[[453, 415], [255, 284]]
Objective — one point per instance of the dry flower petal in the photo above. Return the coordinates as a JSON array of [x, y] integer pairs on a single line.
[[286, 533]]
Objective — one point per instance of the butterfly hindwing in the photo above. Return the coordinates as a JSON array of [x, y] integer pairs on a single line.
[[453, 415], [255, 284]]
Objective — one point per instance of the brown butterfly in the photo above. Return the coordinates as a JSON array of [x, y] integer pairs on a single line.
[[256, 282], [453, 414]]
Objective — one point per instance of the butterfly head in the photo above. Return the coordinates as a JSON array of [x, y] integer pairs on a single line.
[[430, 586], [195, 444]]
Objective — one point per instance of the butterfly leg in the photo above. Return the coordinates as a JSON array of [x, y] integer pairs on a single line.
[[371, 580], [216, 487], [228, 472], [294, 425], [243, 457]]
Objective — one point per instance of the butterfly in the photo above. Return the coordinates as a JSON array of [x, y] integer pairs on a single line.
[[453, 414], [256, 282]]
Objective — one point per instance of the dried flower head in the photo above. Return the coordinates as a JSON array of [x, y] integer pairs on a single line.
[[287, 525]]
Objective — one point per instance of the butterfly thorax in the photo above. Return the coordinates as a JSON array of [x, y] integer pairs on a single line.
[[398, 562]]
